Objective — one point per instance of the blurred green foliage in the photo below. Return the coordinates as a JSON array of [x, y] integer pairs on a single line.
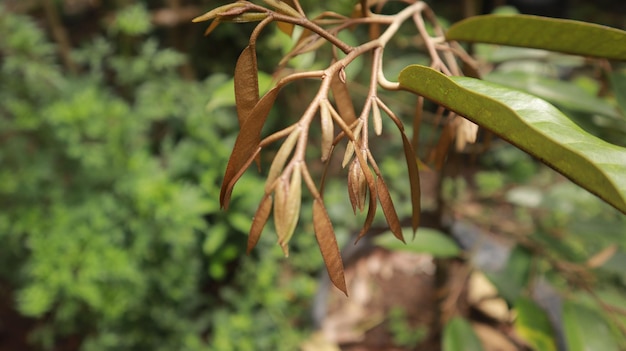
[[110, 225]]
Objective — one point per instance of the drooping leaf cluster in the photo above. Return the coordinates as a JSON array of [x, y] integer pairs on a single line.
[[526, 121]]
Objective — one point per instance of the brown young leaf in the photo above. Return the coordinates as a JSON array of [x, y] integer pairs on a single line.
[[325, 235], [281, 192], [284, 8], [287, 214], [388, 209], [347, 156], [285, 27], [246, 83], [342, 97], [357, 186], [414, 182], [412, 166], [280, 159], [440, 153], [371, 210], [259, 220], [376, 117], [247, 17], [328, 130], [216, 22], [246, 144], [218, 11]]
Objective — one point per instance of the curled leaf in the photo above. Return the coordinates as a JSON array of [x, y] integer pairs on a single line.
[[259, 220], [328, 130], [325, 235]]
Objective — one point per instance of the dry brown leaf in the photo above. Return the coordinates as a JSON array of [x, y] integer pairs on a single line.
[[259, 220], [388, 209], [246, 83], [246, 144], [325, 235]]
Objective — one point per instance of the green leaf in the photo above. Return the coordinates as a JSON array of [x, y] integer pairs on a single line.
[[458, 335], [533, 325], [565, 94], [532, 125], [585, 329], [426, 240], [568, 36]]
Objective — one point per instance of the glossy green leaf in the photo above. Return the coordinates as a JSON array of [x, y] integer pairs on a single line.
[[533, 325], [458, 335], [429, 241], [568, 36], [585, 329], [532, 125], [564, 94]]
